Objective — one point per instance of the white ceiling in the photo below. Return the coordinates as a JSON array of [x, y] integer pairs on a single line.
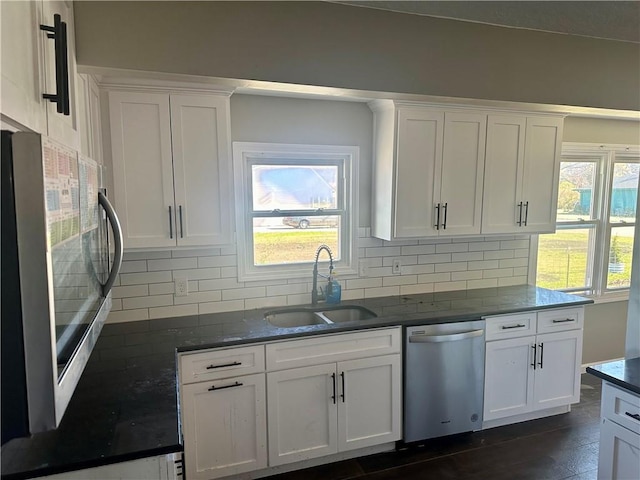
[[614, 20]]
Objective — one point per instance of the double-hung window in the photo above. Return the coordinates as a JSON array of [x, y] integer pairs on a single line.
[[592, 249], [290, 199]]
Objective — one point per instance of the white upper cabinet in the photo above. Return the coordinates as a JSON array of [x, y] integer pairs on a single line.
[[521, 174], [29, 69], [21, 98], [171, 168], [428, 171]]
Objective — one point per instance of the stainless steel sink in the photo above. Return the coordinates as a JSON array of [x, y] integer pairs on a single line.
[[325, 315], [348, 314]]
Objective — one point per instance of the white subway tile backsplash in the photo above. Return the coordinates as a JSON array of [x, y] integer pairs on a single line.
[[466, 256], [199, 297], [145, 302], [242, 293], [223, 306], [173, 311], [141, 278], [452, 247], [161, 288], [130, 291], [416, 288], [146, 288], [172, 264], [133, 266]]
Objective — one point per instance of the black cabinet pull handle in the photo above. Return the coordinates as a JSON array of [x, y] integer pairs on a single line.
[[526, 213], [333, 382], [181, 228], [541, 354], [170, 224], [236, 384], [507, 327], [534, 356], [58, 33], [344, 396], [444, 224], [520, 216], [437, 225], [234, 364], [564, 321], [635, 416]]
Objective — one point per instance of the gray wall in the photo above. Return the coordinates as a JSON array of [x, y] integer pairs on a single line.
[[321, 43]]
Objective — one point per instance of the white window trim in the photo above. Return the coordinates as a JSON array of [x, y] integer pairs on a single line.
[[608, 151], [347, 265]]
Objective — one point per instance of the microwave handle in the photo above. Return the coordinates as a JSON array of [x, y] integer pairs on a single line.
[[117, 235]]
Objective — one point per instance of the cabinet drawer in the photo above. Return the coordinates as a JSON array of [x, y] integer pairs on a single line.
[[510, 326], [557, 320], [224, 363], [621, 407], [332, 348]]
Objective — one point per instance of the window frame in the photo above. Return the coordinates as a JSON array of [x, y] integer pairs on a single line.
[[605, 156], [248, 154]]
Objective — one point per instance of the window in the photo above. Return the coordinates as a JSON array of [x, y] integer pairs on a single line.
[[290, 199], [591, 251]]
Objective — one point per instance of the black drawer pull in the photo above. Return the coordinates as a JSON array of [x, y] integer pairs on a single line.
[[565, 320], [507, 327], [213, 387], [234, 364], [635, 416]]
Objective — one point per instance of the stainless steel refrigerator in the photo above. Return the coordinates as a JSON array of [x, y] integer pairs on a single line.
[[61, 252]]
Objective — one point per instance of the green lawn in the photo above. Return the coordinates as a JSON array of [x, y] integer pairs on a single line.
[[562, 260], [292, 246]]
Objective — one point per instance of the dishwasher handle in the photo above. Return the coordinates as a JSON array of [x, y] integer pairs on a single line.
[[451, 337]]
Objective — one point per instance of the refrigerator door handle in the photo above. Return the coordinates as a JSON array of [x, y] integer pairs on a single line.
[[118, 247]]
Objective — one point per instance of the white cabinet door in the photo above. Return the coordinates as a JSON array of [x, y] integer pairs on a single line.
[[302, 413], [509, 379], [504, 165], [142, 168], [557, 374], [64, 128], [224, 426], [460, 187], [201, 165], [541, 173], [369, 402], [619, 457], [418, 166], [21, 88]]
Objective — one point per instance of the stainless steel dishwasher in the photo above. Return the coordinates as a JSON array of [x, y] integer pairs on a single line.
[[444, 379]]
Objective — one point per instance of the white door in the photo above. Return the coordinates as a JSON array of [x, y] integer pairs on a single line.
[[202, 168], [504, 163], [418, 164], [508, 380], [21, 87], [224, 426], [557, 376], [619, 457], [541, 173], [462, 173], [302, 413], [142, 168], [369, 402], [64, 128]]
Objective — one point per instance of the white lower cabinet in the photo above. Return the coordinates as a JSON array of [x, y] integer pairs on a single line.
[[320, 395], [619, 457], [532, 372], [324, 409]]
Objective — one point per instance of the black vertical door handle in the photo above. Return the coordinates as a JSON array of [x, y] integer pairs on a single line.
[[333, 382], [534, 346], [437, 224], [344, 395], [541, 354]]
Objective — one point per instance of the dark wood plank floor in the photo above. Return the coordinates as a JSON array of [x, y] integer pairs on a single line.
[[558, 447]]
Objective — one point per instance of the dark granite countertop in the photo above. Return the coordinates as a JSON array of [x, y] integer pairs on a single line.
[[624, 373], [125, 405]]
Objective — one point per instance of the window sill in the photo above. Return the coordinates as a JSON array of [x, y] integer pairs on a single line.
[[609, 298]]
